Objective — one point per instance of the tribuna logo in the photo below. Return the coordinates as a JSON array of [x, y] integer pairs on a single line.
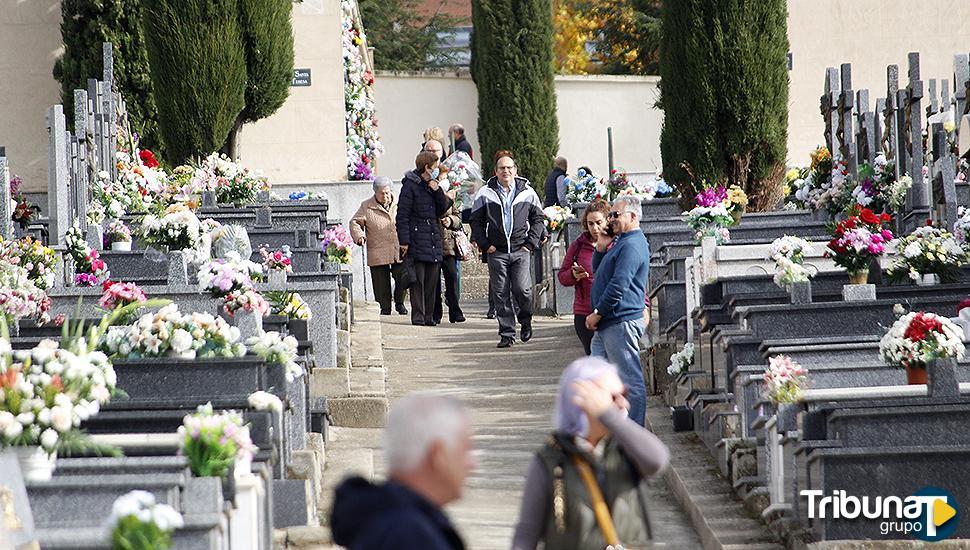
[[930, 514]]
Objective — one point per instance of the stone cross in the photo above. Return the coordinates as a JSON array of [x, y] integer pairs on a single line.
[[944, 95], [866, 137], [914, 134], [828, 107], [846, 136], [890, 114], [6, 223], [878, 126], [83, 174], [934, 106], [961, 82], [57, 176], [108, 97], [946, 173]]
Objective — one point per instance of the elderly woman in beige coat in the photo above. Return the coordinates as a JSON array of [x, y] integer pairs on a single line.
[[373, 225]]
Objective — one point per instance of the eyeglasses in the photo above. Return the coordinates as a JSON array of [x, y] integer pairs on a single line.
[[613, 215]]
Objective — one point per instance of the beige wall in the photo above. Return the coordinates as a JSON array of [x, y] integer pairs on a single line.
[[305, 140], [30, 41], [870, 34], [410, 102]]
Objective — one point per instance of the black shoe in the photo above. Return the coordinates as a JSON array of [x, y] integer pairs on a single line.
[[505, 342], [490, 315], [458, 318], [418, 323], [385, 312], [401, 309], [526, 332], [430, 323]]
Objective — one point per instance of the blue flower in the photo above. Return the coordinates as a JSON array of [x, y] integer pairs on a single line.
[[580, 186], [298, 195], [581, 173]]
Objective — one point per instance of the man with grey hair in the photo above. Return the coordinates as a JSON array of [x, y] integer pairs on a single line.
[[621, 264], [373, 226], [427, 443], [459, 141]]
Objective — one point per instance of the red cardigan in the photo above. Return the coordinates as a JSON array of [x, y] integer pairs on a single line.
[[581, 252]]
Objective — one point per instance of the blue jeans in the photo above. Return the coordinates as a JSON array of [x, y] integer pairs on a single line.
[[620, 344]]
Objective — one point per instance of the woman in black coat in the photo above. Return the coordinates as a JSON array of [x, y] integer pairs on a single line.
[[421, 204]]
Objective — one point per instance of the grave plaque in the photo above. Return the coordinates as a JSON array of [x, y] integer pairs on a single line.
[[16, 521], [301, 78]]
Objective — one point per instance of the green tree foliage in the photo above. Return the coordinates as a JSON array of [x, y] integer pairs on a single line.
[[402, 38], [628, 35], [724, 91], [268, 37], [198, 68], [512, 65], [85, 25]]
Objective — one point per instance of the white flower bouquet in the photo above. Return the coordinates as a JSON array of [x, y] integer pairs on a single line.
[[33, 256], [918, 337], [177, 229], [265, 401], [582, 188], [788, 254], [169, 333], [137, 522], [961, 227], [710, 221], [20, 298], [784, 380], [214, 442], [277, 350], [48, 391], [231, 181], [682, 360], [556, 218], [223, 276], [924, 251]]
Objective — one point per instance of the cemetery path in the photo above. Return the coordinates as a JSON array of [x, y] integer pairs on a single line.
[[511, 393]]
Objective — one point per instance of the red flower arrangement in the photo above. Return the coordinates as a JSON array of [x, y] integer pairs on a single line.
[[148, 158], [858, 239]]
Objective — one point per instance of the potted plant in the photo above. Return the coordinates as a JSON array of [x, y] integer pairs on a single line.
[[118, 235], [926, 256], [215, 444], [277, 264], [137, 522], [788, 253], [857, 240], [337, 247], [918, 338], [711, 216]]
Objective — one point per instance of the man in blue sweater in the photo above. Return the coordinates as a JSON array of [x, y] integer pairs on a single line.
[[620, 268]]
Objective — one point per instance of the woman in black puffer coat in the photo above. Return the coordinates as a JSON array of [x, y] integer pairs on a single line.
[[421, 204]]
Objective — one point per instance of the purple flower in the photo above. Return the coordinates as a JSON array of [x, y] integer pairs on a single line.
[[85, 279], [362, 171], [712, 196]]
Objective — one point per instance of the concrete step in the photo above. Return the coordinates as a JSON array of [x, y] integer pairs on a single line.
[[706, 496]]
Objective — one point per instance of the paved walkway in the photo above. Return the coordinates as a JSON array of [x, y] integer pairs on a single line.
[[511, 393]]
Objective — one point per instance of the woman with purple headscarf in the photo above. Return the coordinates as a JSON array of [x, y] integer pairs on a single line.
[[596, 455]]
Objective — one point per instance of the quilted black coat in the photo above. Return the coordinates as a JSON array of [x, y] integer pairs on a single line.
[[418, 211]]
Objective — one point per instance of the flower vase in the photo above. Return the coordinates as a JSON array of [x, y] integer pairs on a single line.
[[331, 267], [736, 215], [124, 246], [35, 463], [178, 268], [250, 324], [859, 277], [928, 279], [800, 292], [916, 374], [277, 278]]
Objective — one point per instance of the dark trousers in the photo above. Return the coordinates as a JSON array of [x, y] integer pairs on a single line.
[[508, 274], [491, 298], [381, 276], [449, 270], [423, 291], [585, 335]]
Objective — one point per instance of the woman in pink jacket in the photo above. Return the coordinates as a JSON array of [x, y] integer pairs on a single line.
[[577, 266]]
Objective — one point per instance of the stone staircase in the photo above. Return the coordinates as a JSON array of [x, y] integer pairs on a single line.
[[707, 497]]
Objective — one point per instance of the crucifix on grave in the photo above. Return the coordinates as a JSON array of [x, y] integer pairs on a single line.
[[917, 200], [961, 83], [6, 221], [866, 135], [846, 136], [828, 105], [890, 130]]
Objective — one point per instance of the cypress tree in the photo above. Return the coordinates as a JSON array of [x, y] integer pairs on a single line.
[[512, 66], [84, 26], [198, 68], [725, 95], [268, 37]]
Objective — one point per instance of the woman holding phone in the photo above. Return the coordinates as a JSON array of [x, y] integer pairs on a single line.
[[577, 266]]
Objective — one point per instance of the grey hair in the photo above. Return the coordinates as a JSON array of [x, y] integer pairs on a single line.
[[416, 422], [381, 182], [569, 418], [456, 127], [630, 203], [561, 163]]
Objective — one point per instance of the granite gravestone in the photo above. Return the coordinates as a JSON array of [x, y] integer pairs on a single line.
[[16, 520]]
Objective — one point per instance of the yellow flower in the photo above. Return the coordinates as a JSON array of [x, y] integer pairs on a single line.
[[792, 174], [820, 155], [949, 126], [737, 196]]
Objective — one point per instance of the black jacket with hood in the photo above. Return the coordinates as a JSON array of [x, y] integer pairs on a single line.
[[418, 212], [487, 218], [389, 516]]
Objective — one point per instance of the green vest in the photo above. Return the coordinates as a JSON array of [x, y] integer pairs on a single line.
[[571, 523]]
